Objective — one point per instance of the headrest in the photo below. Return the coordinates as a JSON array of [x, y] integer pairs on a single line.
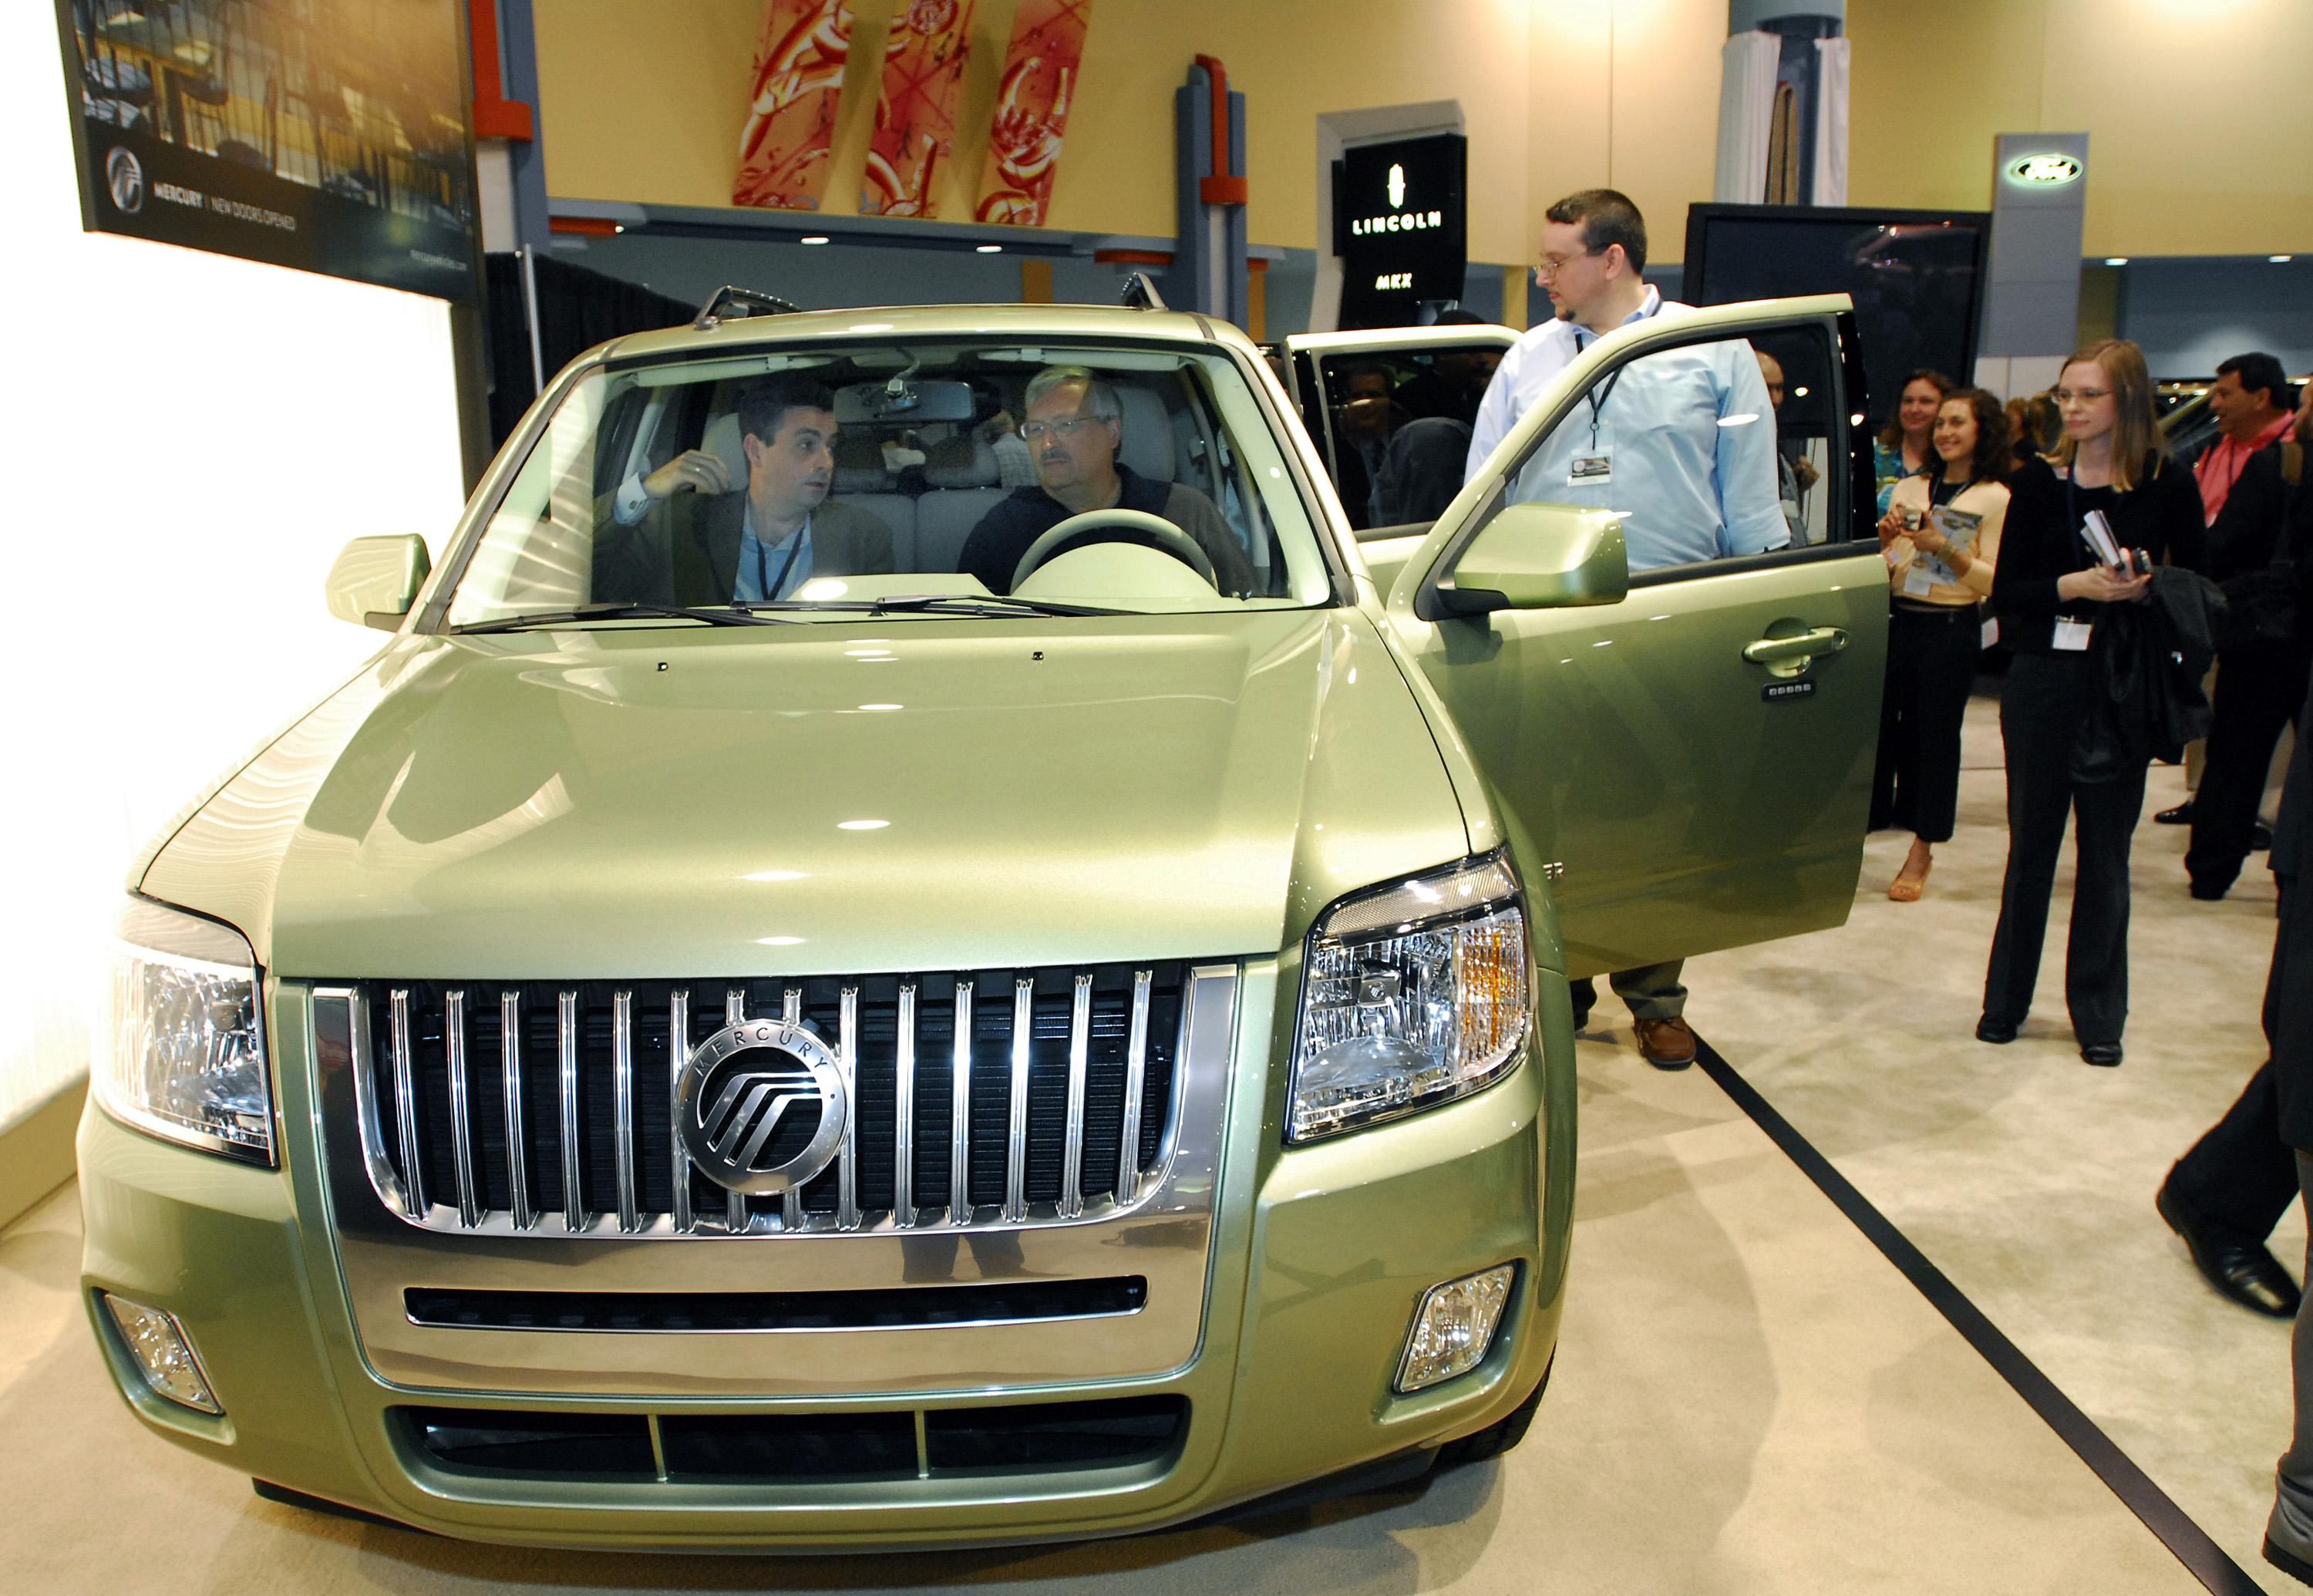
[[722, 441], [859, 464], [963, 462], [1147, 445]]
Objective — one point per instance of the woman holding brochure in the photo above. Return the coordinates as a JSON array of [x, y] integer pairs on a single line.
[[2082, 533], [1941, 539]]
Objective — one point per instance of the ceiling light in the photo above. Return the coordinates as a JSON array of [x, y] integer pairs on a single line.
[[2115, 260], [1799, 393], [988, 248], [2277, 259], [814, 238], [861, 825]]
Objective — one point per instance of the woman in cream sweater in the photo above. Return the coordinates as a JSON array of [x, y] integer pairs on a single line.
[[1941, 538]]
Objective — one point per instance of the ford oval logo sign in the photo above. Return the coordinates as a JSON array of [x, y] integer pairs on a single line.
[[761, 1107], [2044, 171]]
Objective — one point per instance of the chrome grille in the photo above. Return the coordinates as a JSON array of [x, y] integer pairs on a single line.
[[981, 1098]]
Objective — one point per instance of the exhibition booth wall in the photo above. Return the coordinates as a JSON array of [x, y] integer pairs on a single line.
[[201, 436], [2198, 135], [646, 102]]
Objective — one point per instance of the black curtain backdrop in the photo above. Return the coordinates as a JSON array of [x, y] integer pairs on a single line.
[[577, 309]]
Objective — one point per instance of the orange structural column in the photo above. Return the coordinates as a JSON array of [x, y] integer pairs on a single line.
[[1032, 111], [915, 113], [791, 112]]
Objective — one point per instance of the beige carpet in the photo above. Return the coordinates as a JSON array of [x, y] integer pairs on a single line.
[[2024, 1175]]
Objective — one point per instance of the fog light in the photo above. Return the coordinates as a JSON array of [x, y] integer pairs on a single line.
[[162, 1353], [1454, 1327]]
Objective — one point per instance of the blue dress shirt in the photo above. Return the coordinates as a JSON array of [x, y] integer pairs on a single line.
[[762, 566], [1690, 432]]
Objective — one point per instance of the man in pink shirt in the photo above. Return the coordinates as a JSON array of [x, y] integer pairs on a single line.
[[2253, 404]]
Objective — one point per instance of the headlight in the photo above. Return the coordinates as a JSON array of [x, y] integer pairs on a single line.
[[1411, 995], [184, 1056]]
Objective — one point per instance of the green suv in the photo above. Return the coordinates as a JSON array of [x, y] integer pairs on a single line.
[[1060, 1029]]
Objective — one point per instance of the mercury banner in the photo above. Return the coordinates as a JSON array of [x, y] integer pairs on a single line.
[[791, 114], [326, 134]]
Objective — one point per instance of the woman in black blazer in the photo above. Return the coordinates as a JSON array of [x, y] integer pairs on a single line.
[[2051, 593]]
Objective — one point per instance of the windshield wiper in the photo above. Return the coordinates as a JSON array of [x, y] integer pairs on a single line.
[[935, 604], [731, 615]]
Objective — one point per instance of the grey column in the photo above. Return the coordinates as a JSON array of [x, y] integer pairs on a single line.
[[2032, 287]]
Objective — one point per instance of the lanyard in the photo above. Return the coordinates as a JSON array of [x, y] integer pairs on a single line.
[[763, 564], [1598, 397]]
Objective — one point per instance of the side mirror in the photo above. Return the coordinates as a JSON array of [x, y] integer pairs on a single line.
[[375, 580], [1540, 557]]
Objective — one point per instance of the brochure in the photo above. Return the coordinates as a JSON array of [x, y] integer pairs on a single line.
[[1959, 528]]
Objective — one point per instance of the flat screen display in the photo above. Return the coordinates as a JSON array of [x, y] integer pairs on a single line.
[[1916, 278]]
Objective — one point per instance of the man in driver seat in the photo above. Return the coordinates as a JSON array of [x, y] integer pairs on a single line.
[[1074, 425]]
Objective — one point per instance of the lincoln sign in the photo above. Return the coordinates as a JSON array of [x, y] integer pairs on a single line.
[[1400, 228]]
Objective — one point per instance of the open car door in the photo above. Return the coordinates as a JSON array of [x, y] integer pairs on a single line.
[[1683, 728], [1390, 408]]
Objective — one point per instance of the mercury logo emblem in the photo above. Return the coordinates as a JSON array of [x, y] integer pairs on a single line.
[[761, 1106], [1397, 188], [124, 179]]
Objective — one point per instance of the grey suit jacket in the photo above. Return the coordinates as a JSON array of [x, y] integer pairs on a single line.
[[686, 550]]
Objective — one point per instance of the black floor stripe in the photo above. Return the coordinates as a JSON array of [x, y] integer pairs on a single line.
[[2208, 1562]]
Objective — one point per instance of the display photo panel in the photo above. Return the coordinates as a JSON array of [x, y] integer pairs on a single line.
[[330, 135]]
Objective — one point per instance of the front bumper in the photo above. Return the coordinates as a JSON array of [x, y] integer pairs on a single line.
[[1320, 1256]]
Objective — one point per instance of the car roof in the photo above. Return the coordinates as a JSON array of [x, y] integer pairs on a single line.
[[1013, 323]]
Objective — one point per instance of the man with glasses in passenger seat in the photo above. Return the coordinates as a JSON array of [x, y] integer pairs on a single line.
[[1682, 443], [688, 535], [1075, 424]]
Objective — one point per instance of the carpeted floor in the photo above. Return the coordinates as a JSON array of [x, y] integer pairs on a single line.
[[2026, 1175]]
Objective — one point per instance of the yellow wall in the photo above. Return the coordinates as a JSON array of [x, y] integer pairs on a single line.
[[644, 103], [2199, 129]]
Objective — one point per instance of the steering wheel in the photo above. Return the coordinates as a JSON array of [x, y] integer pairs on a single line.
[[1139, 527]]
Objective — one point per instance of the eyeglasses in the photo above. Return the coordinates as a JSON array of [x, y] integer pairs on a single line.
[[1551, 265], [1065, 428], [2085, 395]]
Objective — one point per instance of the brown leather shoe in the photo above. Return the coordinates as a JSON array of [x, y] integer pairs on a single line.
[[1666, 1044]]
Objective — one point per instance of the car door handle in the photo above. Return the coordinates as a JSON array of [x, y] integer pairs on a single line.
[[1823, 639]]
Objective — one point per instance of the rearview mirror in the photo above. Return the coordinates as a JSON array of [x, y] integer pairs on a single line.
[[375, 580], [1540, 557]]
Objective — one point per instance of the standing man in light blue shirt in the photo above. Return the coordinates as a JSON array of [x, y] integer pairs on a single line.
[[1682, 443]]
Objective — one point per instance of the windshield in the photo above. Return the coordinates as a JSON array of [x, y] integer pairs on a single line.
[[1066, 478]]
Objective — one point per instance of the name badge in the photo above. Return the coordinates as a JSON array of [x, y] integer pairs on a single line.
[[1918, 583], [1591, 471], [1989, 635], [2072, 636]]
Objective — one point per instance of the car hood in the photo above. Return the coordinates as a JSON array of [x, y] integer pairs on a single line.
[[830, 797]]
